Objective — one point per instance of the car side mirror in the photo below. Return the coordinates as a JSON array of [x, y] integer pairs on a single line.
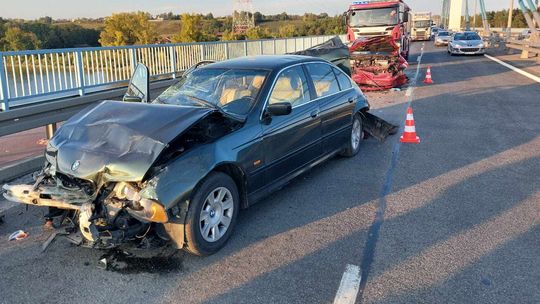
[[279, 109], [405, 17], [139, 85]]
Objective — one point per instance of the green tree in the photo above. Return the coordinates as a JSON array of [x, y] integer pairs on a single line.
[[286, 31], [258, 17], [128, 29], [228, 35], [192, 30], [16, 39], [258, 32]]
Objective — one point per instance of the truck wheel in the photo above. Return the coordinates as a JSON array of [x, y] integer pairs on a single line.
[[212, 214], [356, 137]]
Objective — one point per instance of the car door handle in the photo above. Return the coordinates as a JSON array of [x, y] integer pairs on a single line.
[[315, 114], [351, 100]]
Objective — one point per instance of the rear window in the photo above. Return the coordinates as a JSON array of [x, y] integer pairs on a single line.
[[344, 80], [324, 80]]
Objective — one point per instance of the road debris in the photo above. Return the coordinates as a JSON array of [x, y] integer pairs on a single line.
[[123, 262], [52, 238], [377, 127], [18, 235]]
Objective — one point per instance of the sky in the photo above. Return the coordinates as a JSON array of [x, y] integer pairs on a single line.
[[69, 9]]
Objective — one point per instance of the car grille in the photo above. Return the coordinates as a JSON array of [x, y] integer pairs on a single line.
[[470, 50], [76, 183]]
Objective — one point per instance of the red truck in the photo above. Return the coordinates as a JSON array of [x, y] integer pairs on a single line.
[[379, 36]]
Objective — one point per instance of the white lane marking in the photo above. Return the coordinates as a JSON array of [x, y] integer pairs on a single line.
[[409, 91], [349, 286], [513, 68], [415, 79]]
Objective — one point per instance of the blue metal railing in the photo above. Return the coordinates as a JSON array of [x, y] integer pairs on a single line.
[[28, 77]]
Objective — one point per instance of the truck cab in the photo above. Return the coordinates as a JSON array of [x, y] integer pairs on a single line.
[[372, 18], [421, 26]]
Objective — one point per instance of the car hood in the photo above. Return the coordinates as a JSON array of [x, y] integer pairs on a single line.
[[467, 42], [118, 141]]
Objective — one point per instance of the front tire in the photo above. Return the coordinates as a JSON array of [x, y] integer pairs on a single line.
[[356, 137], [212, 214]]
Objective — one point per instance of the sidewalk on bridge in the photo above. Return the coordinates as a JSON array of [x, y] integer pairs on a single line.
[[512, 57]]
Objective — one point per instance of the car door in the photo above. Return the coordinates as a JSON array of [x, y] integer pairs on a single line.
[[336, 99], [291, 141]]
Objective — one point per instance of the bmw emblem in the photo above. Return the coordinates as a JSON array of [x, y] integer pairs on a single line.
[[75, 165]]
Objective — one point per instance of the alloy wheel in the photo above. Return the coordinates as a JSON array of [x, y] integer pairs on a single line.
[[216, 214]]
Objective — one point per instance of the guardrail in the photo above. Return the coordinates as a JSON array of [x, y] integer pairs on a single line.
[[527, 46], [28, 77]]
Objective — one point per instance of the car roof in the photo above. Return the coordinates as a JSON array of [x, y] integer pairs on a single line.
[[467, 32], [266, 62]]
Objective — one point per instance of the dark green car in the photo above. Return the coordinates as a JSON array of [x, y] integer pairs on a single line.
[[180, 168]]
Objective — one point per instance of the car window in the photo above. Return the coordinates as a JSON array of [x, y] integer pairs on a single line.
[[467, 36], [324, 79], [291, 86], [343, 79], [233, 90]]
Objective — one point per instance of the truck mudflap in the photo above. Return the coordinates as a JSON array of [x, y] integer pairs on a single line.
[[378, 127]]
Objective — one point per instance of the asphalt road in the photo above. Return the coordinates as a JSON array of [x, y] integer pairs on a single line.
[[458, 215]]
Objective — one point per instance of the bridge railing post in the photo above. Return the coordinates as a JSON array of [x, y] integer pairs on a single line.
[[203, 56], [173, 60], [4, 105], [133, 56], [245, 48], [227, 56], [80, 71]]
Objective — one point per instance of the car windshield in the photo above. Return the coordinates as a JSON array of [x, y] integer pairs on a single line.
[[374, 17], [467, 36], [422, 23], [443, 34], [232, 91]]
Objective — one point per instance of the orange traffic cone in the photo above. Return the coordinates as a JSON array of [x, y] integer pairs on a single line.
[[428, 79], [409, 135]]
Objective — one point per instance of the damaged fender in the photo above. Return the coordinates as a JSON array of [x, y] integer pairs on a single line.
[[173, 185]]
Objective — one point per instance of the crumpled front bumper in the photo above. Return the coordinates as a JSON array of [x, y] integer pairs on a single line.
[[45, 197]]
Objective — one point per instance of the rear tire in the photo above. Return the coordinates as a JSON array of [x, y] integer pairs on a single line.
[[212, 214], [356, 137]]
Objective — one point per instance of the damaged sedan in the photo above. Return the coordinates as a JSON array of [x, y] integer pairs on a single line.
[[179, 169]]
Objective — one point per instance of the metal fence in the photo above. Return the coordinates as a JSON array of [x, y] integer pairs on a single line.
[[28, 77]]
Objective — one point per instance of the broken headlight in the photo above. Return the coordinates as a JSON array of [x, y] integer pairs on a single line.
[[141, 208]]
